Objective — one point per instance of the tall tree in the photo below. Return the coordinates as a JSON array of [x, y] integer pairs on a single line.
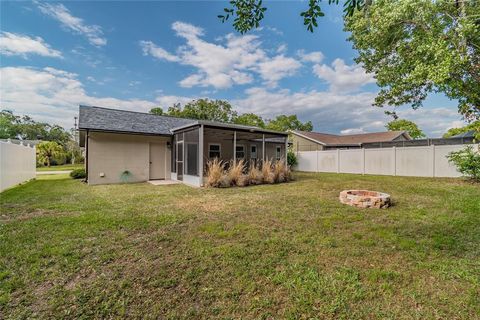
[[247, 14], [48, 151], [406, 125], [285, 123], [157, 111], [249, 119], [204, 109], [415, 48], [24, 127]]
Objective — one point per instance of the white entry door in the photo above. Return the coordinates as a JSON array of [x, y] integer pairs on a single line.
[[157, 161]]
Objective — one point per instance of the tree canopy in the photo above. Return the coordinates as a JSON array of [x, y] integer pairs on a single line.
[[406, 125], [25, 128], [222, 111], [247, 14], [415, 48], [475, 126]]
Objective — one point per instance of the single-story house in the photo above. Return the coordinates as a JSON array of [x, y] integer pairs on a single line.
[[311, 141], [126, 146]]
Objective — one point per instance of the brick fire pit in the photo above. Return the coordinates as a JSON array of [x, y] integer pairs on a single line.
[[365, 199]]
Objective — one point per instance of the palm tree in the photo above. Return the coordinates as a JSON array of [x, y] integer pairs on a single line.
[[47, 150]]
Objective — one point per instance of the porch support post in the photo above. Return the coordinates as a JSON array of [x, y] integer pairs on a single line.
[[263, 147], [200, 154], [234, 146], [286, 149]]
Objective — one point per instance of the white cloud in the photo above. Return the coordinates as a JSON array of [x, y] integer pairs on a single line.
[[314, 56], [22, 45], [59, 12], [149, 48], [234, 62], [277, 68], [53, 95], [334, 112], [352, 131], [342, 77]]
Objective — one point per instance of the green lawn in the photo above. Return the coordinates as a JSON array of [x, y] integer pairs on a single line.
[[63, 167], [290, 251]]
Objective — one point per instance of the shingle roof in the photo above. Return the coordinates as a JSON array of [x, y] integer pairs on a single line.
[[468, 134], [352, 139], [104, 119]]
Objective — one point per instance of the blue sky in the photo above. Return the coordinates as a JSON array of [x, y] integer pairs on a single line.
[[136, 55]]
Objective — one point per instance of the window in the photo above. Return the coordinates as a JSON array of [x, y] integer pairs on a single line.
[[240, 152], [253, 152], [214, 151], [278, 152]]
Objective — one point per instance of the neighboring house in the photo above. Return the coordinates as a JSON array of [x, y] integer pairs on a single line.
[[22, 142], [311, 141], [131, 146]]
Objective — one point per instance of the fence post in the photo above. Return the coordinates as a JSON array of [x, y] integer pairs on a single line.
[[316, 164], [338, 160], [394, 151], [433, 159], [363, 161]]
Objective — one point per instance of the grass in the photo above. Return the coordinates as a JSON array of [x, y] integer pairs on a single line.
[[63, 167], [289, 251]]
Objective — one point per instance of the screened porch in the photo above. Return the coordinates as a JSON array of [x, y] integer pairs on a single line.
[[193, 146]]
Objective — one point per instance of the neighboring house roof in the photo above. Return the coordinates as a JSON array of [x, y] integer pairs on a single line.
[[104, 119], [113, 120], [351, 139], [468, 134]]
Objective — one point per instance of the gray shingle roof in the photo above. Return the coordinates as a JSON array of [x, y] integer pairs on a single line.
[[104, 119]]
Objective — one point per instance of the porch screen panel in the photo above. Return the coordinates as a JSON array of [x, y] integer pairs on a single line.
[[191, 152]]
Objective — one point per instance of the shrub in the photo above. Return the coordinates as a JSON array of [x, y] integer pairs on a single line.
[[467, 162], [254, 174], [291, 159], [280, 171], [78, 174], [235, 173], [215, 173], [267, 172]]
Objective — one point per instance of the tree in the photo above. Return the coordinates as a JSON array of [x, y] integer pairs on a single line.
[[472, 126], [406, 125], [204, 109], [8, 124], [47, 151], [16, 127], [467, 161], [415, 48], [285, 123], [249, 119], [157, 111], [248, 14]]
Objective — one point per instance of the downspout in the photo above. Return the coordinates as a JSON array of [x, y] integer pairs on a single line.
[[86, 157]]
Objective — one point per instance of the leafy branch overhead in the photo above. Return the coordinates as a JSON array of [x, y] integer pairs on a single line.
[[249, 13]]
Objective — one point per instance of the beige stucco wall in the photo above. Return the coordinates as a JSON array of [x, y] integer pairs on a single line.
[[112, 154], [302, 144]]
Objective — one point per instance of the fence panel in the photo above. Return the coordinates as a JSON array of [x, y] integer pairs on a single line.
[[380, 161], [423, 161], [327, 161], [307, 161], [17, 164], [351, 161]]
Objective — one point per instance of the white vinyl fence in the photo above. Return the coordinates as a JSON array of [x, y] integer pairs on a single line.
[[429, 161], [17, 164]]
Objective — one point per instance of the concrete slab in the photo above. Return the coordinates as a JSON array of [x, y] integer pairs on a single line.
[[163, 182], [54, 172]]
